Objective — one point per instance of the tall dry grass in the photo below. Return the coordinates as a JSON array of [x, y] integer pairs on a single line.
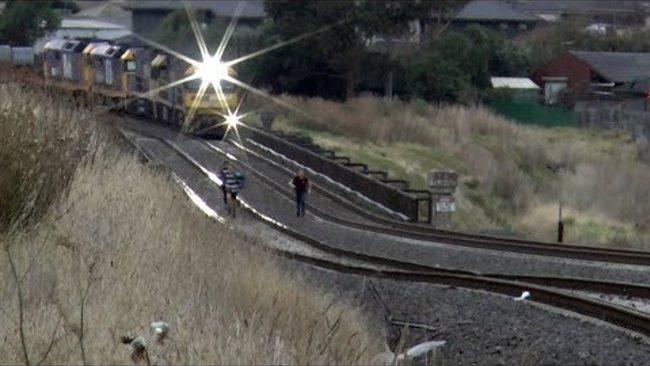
[[41, 142], [494, 150], [519, 167], [124, 247], [611, 188]]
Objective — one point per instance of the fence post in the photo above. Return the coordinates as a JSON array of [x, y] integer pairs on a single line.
[[560, 226]]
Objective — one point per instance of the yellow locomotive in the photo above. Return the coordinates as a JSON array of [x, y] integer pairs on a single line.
[[138, 80]]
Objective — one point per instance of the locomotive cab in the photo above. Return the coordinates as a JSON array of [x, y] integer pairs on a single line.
[[63, 63], [208, 110], [136, 69]]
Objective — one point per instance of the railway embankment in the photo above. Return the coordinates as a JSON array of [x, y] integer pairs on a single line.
[[273, 204], [483, 327]]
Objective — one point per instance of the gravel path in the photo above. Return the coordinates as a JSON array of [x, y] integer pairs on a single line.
[[480, 328]]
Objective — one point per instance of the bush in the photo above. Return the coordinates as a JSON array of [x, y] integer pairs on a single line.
[[41, 143]]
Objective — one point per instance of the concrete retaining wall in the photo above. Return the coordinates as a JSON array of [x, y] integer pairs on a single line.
[[375, 190]]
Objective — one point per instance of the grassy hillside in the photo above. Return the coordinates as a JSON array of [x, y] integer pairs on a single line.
[[512, 177], [96, 246]]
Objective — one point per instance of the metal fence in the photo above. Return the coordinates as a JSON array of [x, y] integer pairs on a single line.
[[414, 204], [616, 116], [5, 53], [17, 55]]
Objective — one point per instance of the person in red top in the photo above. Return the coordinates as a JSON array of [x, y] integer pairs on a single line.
[[301, 186]]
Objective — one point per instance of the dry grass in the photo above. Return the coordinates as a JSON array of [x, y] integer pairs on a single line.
[[41, 142], [491, 149], [508, 170], [124, 248]]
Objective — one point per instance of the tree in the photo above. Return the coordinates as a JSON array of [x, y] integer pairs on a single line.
[[439, 72], [457, 63], [329, 64], [390, 20], [23, 22], [326, 63]]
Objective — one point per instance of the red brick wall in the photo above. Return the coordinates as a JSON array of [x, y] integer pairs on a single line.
[[577, 72]]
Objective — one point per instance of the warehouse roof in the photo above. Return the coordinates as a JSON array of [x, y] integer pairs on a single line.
[[493, 10], [88, 23], [106, 11], [225, 8], [618, 67], [513, 83]]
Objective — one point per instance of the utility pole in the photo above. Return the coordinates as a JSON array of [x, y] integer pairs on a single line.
[[389, 82], [560, 226]]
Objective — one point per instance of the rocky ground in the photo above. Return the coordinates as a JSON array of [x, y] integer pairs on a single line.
[[486, 329]]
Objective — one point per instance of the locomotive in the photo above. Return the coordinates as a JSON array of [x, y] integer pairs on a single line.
[[132, 78]]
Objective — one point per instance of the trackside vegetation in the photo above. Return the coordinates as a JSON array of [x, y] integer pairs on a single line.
[[96, 246], [513, 177]]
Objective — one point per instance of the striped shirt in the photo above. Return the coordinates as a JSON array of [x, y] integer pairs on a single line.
[[230, 181]]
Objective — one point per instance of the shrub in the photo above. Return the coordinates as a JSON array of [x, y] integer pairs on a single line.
[[41, 142]]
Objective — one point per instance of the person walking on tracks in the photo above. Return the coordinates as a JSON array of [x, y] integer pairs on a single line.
[[225, 167], [301, 186], [232, 182]]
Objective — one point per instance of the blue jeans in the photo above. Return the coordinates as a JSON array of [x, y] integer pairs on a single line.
[[300, 203]]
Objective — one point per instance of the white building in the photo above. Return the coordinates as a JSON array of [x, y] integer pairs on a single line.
[[85, 28]]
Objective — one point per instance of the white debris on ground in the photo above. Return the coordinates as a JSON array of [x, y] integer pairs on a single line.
[[427, 352], [524, 296], [421, 349], [159, 330]]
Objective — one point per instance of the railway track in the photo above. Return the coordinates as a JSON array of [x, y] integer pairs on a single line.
[[385, 225], [542, 289]]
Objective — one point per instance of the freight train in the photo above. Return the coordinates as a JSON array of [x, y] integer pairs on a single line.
[[130, 78]]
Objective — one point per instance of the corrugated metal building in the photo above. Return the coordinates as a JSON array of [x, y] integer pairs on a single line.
[[580, 72], [148, 15], [84, 28], [496, 14]]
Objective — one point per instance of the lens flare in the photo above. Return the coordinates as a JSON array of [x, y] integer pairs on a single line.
[[212, 70], [232, 121]]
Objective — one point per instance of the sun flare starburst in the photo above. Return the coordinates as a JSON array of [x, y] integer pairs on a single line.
[[213, 70]]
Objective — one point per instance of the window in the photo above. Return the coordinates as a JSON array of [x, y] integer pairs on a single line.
[[523, 26], [552, 91], [130, 65], [503, 25], [67, 66], [108, 66]]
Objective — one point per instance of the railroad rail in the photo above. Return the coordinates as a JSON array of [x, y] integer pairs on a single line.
[[391, 226], [404, 271], [614, 288]]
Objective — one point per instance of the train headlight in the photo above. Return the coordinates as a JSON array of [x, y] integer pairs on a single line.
[[232, 120], [212, 71]]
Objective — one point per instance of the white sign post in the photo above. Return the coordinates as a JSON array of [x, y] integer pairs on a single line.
[[443, 185], [446, 204]]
